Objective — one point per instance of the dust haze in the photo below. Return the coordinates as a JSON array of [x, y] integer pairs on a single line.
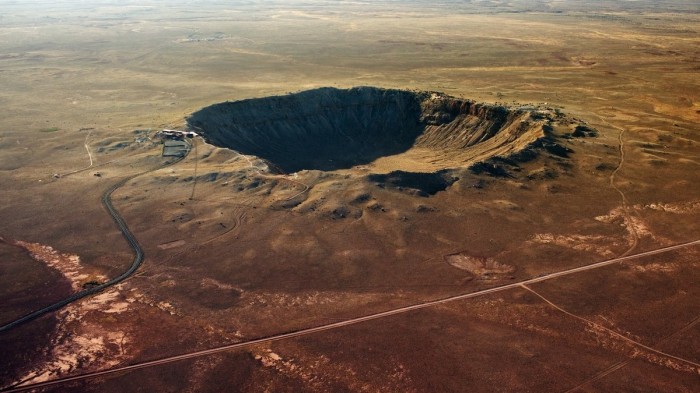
[[371, 196]]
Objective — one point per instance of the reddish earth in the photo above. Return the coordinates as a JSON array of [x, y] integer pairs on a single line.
[[276, 237]]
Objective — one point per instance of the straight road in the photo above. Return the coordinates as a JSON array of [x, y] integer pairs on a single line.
[[353, 321]]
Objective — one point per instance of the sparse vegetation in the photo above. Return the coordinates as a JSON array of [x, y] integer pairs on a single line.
[[268, 246]]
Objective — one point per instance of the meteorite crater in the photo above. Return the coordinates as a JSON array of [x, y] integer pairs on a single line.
[[386, 130]]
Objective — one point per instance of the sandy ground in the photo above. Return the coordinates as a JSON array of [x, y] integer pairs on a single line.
[[234, 252]]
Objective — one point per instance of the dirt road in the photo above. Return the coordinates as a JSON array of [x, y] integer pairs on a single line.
[[353, 321]]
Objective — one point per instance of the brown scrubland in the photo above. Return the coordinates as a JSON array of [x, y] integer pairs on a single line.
[[352, 158]]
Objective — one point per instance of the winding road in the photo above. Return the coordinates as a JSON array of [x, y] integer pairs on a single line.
[[133, 243], [625, 204], [138, 259]]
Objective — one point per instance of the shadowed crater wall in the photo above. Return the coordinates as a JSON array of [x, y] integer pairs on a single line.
[[393, 130], [324, 129]]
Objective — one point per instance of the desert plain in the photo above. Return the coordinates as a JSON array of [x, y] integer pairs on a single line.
[[418, 267]]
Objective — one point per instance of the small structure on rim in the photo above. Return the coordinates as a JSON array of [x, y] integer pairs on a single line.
[[175, 134], [174, 143], [175, 148]]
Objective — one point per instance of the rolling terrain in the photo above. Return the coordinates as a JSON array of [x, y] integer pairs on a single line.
[[384, 196]]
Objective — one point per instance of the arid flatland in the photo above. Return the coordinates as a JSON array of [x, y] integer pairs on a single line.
[[355, 159]]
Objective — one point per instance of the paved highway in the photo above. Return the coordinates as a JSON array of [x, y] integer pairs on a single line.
[[353, 321], [138, 257]]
